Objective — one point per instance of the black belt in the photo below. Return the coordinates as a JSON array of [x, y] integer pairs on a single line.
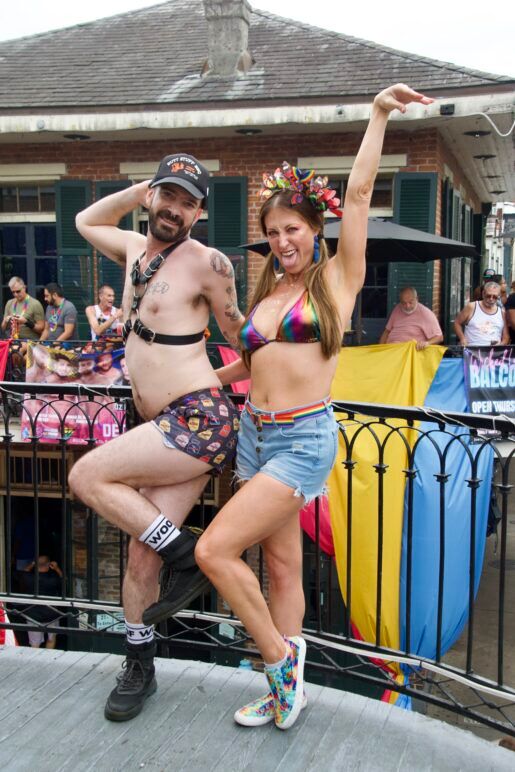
[[149, 336]]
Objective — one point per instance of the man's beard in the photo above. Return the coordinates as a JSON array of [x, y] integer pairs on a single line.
[[162, 234]]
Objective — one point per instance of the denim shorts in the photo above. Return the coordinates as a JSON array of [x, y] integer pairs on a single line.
[[299, 453]]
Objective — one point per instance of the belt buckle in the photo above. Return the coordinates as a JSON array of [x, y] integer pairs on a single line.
[[144, 332]]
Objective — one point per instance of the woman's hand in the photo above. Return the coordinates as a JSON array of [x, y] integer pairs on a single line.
[[398, 96]]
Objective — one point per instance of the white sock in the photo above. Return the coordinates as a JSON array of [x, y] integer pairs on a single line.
[[160, 533], [138, 634], [277, 664]]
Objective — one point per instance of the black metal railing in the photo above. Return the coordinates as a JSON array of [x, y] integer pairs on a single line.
[[406, 447]]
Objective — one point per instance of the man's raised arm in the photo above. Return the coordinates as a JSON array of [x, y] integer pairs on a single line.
[[99, 222]]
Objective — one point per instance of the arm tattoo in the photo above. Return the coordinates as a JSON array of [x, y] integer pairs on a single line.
[[221, 265], [231, 307]]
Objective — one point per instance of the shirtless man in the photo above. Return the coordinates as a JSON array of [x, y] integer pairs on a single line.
[[104, 318], [147, 480]]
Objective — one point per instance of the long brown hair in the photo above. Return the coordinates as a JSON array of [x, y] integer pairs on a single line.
[[314, 278]]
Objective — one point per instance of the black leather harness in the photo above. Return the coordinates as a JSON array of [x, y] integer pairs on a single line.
[[139, 278]]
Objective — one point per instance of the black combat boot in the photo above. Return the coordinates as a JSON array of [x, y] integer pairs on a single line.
[[136, 682], [180, 580]]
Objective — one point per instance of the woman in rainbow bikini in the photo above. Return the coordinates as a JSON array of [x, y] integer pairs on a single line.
[[288, 436]]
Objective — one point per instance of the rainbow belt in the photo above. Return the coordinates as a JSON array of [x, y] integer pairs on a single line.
[[282, 417]]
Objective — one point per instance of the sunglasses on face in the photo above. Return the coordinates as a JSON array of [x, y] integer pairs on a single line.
[[491, 297]]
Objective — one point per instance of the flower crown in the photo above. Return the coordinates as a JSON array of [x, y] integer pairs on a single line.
[[304, 184]]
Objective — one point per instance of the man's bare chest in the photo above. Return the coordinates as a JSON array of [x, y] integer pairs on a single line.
[[171, 289]]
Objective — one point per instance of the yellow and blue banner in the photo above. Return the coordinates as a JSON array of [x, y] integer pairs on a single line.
[[381, 454]]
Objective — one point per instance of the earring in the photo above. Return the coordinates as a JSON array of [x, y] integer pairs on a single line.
[[277, 265], [316, 251]]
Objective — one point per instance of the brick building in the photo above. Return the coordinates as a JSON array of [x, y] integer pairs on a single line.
[[88, 110]]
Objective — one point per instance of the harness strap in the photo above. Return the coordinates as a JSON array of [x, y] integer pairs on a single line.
[[149, 336]]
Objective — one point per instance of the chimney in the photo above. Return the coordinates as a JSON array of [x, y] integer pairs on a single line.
[[227, 37]]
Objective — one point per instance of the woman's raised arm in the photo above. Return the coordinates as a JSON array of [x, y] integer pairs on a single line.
[[350, 254]]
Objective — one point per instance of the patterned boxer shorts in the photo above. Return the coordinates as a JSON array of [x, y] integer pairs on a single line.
[[203, 424]]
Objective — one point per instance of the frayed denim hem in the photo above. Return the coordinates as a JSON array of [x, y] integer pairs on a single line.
[[238, 479]]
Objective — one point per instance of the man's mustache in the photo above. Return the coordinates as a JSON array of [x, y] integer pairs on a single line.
[[172, 218]]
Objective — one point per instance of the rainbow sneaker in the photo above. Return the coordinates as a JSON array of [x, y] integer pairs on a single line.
[[260, 711], [286, 683]]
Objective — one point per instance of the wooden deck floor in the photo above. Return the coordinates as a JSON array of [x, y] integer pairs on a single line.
[[51, 718]]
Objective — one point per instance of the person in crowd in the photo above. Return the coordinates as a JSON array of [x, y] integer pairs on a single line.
[[60, 315], [411, 320], [24, 317], [104, 318], [288, 437], [49, 583], [147, 480], [504, 291], [509, 309], [483, 322], [489, 274]]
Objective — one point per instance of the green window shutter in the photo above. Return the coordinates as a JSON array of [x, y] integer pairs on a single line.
[[74, 276], [415, 207], [227, 229], [110, 272], [71, 196], [447, 192], [74, 252]]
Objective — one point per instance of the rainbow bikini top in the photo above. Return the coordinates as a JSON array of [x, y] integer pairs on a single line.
[[299, 325]]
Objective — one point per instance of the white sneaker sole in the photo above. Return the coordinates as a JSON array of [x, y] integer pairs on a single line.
[[244, 720]]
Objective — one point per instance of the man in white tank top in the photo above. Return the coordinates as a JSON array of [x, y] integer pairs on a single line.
[[483, 322], [104, 318]]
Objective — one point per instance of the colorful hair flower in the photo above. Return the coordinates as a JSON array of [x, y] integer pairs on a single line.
[[303, 184]]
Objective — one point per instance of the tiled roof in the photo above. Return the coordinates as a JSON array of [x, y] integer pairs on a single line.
[[155, 57]]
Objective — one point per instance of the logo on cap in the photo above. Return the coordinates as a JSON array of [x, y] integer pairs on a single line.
[[183, 170]]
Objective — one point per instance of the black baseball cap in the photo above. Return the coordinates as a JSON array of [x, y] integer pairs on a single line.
[[184, 170], [488, 273]]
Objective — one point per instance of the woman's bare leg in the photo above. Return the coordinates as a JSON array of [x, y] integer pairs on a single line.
[[260, 509]]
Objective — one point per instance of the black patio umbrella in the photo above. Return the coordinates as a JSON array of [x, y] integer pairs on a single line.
[[388, 242]]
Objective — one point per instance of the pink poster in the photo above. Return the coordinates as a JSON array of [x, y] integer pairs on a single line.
[[74, 418]]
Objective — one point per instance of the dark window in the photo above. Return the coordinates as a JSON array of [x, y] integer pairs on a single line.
[[44, 240], [13, 240], [47, 199], [27, 198], [27, 250], [8, 200], [46, 270], [374, 293]]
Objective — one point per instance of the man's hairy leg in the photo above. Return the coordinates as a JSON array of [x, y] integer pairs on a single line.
[[109, 479], [140, 584]]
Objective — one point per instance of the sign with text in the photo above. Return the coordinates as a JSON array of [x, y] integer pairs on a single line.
[[50, 417], [490, 380]]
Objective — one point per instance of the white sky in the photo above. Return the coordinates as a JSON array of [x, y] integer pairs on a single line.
[[472, 33]]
